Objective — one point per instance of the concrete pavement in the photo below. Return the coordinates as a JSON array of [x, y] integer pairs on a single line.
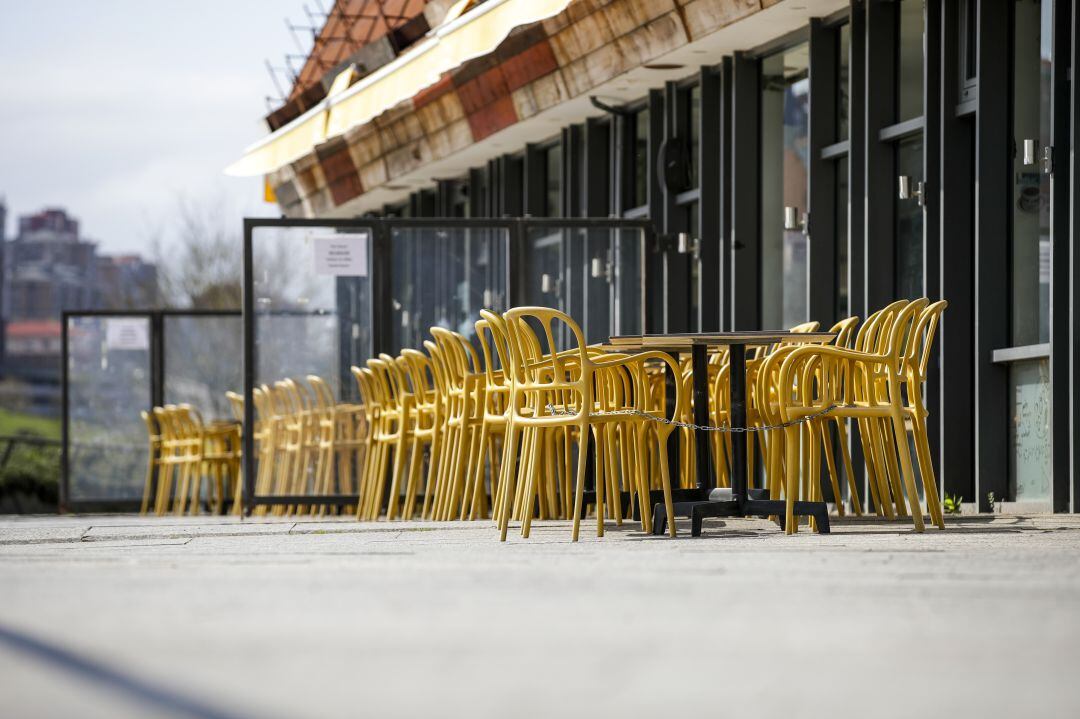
[[119, 616]]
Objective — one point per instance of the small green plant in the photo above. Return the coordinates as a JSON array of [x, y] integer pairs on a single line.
[[952, 504], [990, 500]]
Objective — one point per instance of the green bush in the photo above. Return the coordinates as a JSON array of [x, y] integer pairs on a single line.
[[30, 480]]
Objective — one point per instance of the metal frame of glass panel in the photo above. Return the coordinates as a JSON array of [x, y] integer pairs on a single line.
[[156, 368]]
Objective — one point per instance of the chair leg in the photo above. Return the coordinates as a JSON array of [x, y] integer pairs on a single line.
[[665, 480], [926, 472], [791, 445], [579, 482], [845, 455], [905, 466], [830, 463], [507, 479]]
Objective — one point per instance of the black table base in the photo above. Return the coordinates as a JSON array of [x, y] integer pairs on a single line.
[[757, 504], [744, 502]]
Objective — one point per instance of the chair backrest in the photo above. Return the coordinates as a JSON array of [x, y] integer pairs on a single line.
[[921, 340], [236, 404], [497, 350], [321, 393], [873, 336], [420, 374], [383, 384], [530, 362], [152, 430], [844, 331], [438, 367]]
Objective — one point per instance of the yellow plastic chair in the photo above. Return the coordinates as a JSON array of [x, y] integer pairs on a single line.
[[808, 383], [153, 461], [569, 381]]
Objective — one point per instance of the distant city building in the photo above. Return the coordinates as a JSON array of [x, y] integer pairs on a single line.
[[127, 281], [48, 267]]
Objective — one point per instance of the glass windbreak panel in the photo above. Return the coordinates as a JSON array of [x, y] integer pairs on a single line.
[[1029, 430], [909, 223], [841, 194], [641, 159], [108, 386], [443, 277], [784, 164], [843, 81], [694, 133], [553, 181], [545, 281], [1031, 187], [312, 314], [203, 361], [909, 64]]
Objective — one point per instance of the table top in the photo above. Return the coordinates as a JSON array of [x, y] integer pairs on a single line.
[[685, 340]]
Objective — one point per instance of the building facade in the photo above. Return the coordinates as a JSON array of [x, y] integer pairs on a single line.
[[48, 267], [819, 158]]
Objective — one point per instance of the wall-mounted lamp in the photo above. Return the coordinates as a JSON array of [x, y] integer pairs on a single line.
[[908, 191], [793, 220], [547, 283]]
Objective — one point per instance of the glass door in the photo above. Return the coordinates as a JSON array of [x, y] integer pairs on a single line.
[[1029, 383], [785, 95]]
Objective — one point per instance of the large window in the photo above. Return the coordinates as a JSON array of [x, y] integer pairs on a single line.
[[785, 99], [909, 65], [909, 223], [1031, 186], [639, 135]]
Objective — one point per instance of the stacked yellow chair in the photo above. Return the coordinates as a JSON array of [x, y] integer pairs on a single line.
[[866, 384], [185, 451]]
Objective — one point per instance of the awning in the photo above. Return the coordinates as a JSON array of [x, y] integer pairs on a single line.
[[474, 34]]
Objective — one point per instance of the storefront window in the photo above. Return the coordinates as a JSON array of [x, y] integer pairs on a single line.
[[1031, 187], [909, 66], [784, 161], [640, 135], [694, 133], [553, 181], [909, 223], [842, 309], [843, 87]]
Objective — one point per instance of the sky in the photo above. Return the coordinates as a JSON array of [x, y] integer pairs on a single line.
[[117, 109]]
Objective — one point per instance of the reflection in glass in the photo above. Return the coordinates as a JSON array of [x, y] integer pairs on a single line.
[[843, 89], [108, 385], [691, 221], [694, 133], [909, 66], [641, 159], [309, 320], [202, 362], [909, 223], [613, 303], [443, 277], [1031, 187], [784, 163], [553, 181], [1029, 430], [841, 194]]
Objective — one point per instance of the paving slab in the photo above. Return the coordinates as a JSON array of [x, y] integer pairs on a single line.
[[327, 617]]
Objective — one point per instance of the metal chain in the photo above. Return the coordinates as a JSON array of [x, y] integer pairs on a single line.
[[552, 410]]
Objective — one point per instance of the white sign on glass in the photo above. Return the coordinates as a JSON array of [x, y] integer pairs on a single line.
[[343, 255], [127, 333]]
